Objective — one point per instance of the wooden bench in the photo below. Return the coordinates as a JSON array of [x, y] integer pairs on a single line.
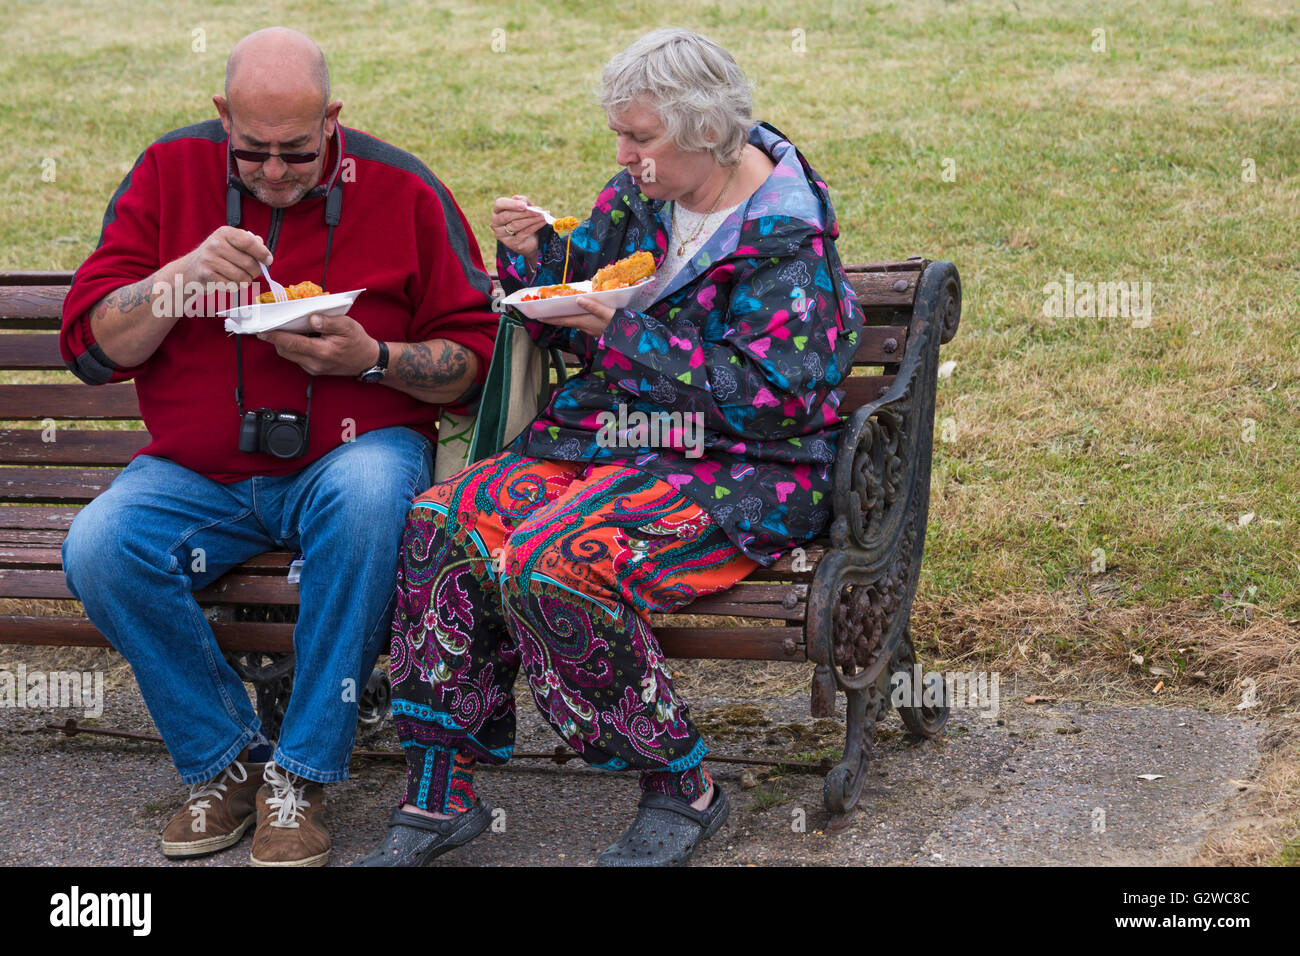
[[843, 602]]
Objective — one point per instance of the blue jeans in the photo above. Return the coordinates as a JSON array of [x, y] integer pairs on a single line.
[[160, 531]]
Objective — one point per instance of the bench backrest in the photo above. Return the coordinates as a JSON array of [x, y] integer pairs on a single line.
[[47, 456]]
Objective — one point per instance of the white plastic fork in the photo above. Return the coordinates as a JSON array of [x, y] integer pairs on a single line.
[[277, 290], [550, 220]]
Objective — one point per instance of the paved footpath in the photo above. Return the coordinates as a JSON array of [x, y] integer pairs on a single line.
[[1053, 783]]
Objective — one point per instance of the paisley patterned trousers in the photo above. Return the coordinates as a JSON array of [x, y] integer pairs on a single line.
[[552, 567]]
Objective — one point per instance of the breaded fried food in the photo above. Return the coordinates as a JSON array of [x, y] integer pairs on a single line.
[[625, 272], [301, 290], [551, 292]]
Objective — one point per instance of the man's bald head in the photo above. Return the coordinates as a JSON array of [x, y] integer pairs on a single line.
[[277, 64], [277, 103]]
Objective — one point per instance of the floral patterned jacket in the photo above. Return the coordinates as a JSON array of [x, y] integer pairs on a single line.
[[746, 341]]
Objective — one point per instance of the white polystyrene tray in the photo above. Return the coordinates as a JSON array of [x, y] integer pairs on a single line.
[[566, 305], [291, 316]]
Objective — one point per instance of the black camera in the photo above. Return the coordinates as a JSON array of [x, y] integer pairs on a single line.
[[281, 432]]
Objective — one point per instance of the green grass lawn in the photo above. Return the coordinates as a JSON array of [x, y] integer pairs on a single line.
[[1070, 433]]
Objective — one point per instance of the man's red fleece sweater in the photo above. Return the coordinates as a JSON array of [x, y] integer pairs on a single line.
[[400, 236]]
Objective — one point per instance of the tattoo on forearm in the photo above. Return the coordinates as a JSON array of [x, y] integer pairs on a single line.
[[432, 365], [126, 299]]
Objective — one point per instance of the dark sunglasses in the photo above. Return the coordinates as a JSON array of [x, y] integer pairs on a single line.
[[293, 159]]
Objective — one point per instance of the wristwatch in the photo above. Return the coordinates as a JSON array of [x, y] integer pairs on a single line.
[[376, 372]]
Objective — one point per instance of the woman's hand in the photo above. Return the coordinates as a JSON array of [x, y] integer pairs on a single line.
[[593, 323], [516, 227]]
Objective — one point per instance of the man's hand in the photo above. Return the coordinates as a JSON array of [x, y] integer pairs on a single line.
[[594, 323], [340, 347], [228, 255], [124, 323], [437, 371]]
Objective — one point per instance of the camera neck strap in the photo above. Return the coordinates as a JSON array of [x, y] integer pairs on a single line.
[[239, 380], [333, 216]]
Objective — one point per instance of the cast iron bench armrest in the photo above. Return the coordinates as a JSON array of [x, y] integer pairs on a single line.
[[886, 443]]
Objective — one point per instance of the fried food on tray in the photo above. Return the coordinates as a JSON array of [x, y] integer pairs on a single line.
[[624, 273], [303, 290], [550, 292], [616, 275]]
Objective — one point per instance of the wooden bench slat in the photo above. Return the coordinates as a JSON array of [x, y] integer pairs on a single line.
[[56, 520], [79, 632], [270, 561], [238, 587], [881, 345], [37, 351], [30, 583], [31, 551], [20, 446], [40, 302], [36, 572], [48, 554], [752, 643], [911, 264], [54, 485], [783, 570], [72, 401], [732, 643], [30, 556], [884, 290], [54, 631], [760, 593], [860, 389], [61, 277], [48, 584], [737, 607], [754, 599], [43, 549], [37, 516], [23, 537]]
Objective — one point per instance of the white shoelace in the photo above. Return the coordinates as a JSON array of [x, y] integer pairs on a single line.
[[287, 797], [201, 793]]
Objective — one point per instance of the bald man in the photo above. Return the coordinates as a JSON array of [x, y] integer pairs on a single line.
[[353, 409]]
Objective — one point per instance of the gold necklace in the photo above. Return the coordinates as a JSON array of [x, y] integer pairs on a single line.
[[681, 249]]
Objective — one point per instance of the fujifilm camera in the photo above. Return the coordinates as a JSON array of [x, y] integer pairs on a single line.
[[281, 432]]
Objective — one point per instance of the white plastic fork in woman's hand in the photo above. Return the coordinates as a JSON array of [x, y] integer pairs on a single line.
[[550, 220]]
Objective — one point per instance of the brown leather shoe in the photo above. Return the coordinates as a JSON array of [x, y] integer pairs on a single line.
[[216, 814], [290, 828]]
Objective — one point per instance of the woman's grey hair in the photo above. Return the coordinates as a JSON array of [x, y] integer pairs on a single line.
[[695, 86]]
